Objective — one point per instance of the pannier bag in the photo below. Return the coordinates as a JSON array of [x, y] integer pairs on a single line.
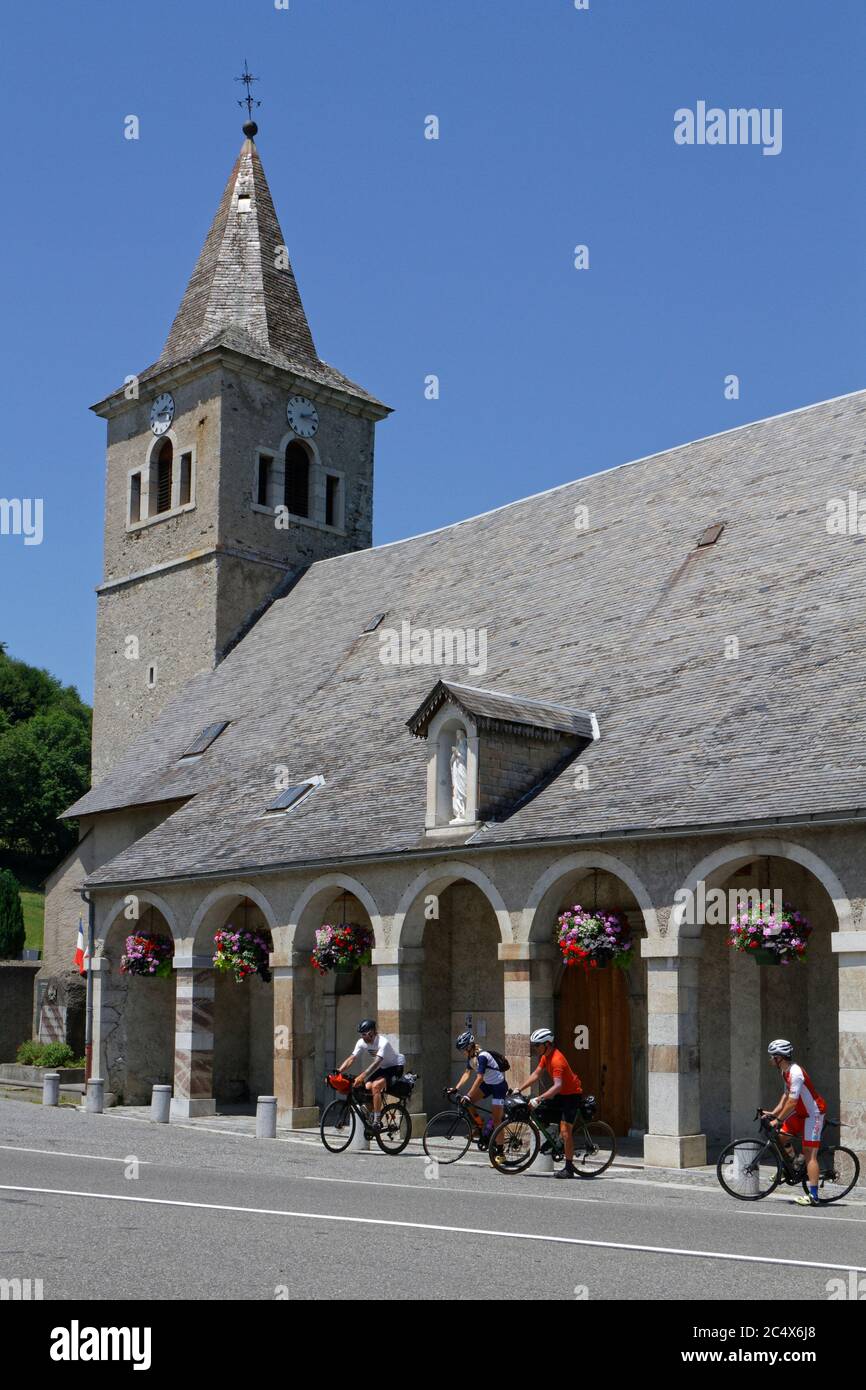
[[588, 1107], [516, 1107], [403, 1086], [338, 1082]]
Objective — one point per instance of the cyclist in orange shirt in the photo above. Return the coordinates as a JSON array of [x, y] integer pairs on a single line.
[[561, 1096]]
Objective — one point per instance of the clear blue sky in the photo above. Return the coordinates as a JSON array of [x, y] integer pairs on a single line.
[[414, 257]]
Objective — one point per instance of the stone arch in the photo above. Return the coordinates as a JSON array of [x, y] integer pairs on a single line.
[[226, 897], [302, 917], [545, 888], [608, 1002], [136, 1016], [408, 922], [118, 907], [722, 863], [741, 1005]]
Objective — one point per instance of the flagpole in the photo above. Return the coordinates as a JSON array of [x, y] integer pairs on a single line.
[[88, 1006]]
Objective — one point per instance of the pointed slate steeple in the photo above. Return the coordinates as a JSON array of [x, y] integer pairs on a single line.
[[243, 279]]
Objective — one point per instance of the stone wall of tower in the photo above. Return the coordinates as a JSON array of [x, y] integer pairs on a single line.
[[184, 584], [173, 616], [254, 420]]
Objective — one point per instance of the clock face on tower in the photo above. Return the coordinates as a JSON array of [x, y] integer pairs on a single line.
[[303, 416], [162, 413]]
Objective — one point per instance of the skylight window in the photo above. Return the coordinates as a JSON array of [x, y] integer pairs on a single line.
[[373, 623], [711, 535], [205, 739], [293, 796]]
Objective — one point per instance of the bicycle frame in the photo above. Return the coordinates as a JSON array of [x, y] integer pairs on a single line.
[[792, 1174]]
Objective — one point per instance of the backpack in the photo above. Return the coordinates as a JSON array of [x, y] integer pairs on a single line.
[[501, 1061]]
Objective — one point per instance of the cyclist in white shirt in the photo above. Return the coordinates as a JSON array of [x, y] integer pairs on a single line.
[[384, 1066], [800, 1111]]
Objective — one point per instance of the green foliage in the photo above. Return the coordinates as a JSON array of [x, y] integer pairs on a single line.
[[56, 1054], [44, 763], [11, 917], [37, 1054]]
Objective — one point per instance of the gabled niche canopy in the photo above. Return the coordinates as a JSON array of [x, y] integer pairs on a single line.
[[491, 751]]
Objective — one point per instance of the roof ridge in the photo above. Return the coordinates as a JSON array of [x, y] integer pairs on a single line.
[[588, 477]]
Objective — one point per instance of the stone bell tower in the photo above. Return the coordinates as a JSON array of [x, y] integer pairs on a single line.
[[234, 461]]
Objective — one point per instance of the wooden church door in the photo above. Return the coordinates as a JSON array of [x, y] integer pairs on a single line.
[[598, 1000]]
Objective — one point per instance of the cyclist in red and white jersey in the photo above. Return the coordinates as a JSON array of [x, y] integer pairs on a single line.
[[800, 1111]]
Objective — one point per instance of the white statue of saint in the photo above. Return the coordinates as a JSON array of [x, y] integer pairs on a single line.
[[459, 754]]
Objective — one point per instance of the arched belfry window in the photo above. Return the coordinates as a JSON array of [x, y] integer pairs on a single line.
[[162, 477], [297, 479]]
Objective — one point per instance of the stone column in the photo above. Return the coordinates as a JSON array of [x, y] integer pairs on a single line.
[[399, 1005], [294, 1043], [748, 1050], [193, 1037], [674, 1139], [530, 972], [851, 950]]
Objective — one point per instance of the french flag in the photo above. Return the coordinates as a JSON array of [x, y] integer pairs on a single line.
[[80, 953]]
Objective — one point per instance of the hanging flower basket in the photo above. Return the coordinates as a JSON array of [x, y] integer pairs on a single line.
[[769, 937], [594, 940], [148, 955], [242, 953], [343, 947]]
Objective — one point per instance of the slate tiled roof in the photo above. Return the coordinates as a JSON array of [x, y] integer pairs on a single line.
[[626, 618], [496, 708], [239, 297]]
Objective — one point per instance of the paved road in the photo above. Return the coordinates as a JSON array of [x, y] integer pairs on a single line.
[[221, 1215]]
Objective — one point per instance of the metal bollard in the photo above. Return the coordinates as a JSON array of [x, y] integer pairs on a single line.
[[266, 1117], [51, 1088], [160, 1104], [94, 1096]]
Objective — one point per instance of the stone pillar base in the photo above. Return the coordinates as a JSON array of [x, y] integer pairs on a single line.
[[186, 1108], [419, 1124], [675, 1150], [300, 1117]]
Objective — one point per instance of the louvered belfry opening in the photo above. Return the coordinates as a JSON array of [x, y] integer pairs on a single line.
[[164, 472], [297, 479]]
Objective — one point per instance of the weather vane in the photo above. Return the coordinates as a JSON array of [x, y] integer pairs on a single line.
[[249, 100]]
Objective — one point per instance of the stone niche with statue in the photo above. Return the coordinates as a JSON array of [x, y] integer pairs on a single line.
[[491, 751]]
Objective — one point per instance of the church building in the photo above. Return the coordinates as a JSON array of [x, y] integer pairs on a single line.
[[621, 695]]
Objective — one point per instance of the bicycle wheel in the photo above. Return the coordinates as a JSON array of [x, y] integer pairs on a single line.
[[749, 1169], [396, 1130], [338, 1126], [447, 1136], [513, 1146], [594, 1147], [839, 1169]]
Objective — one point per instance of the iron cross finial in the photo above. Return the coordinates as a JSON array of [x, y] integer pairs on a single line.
[[249, 100]]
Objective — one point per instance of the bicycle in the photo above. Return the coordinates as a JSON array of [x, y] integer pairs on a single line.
[[514, 1143], [350, 1108], [450, 1133], [750, 1169]]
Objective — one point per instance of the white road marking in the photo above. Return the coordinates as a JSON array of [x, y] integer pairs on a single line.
[[436, 1186], [64, 1153], [447, 1230]]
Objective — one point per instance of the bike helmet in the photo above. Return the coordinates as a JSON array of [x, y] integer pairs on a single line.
[[541, 1035], [367, 1025], [780, 1047], [465, 1040]]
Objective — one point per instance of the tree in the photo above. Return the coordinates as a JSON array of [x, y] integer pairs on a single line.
[[11, 917], [44, 765]]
